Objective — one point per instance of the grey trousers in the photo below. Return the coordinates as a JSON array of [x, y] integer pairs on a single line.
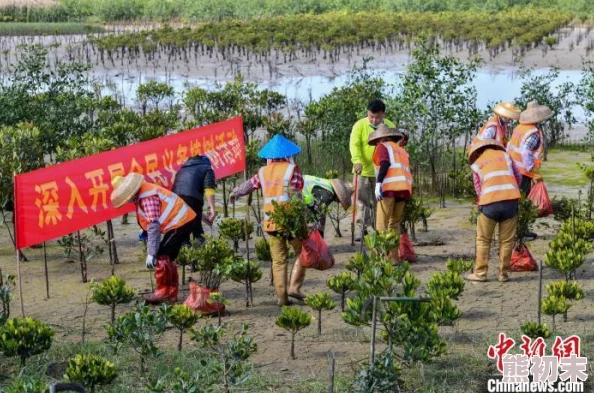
[[365, 201]]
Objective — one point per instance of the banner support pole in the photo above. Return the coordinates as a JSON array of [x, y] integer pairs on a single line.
[[18, 251]]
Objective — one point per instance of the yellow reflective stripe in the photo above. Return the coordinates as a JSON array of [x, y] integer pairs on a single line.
[[497, 174]]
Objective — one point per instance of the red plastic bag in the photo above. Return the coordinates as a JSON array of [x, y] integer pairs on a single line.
[[197, 300], [522, 261], [315, 253], [406, 251], [540, 197]]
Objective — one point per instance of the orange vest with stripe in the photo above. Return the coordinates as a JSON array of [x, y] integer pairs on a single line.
[[500, 132], [398, 177], [174, 211], [275, 179], [521, 133], [494, 167]]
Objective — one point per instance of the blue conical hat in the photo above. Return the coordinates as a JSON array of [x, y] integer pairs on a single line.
[[279, 147]]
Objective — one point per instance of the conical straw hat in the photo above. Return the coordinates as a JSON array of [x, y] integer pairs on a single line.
[[475, 150], [535, 113], [507, 110], [383, 131], [125, 188], [343, 192], [279, 147]]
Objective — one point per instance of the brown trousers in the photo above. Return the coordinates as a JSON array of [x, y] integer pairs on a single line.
[[484, 234]]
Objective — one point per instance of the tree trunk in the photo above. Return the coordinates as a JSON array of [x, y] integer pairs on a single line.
[[113, 307], [225, 204], [83, 262], [181, 335], [343, 296], [319, 322]]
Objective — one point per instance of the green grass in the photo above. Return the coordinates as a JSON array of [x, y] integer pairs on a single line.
[[561, 168], [23, 29]]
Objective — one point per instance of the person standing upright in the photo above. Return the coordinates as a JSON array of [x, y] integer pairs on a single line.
[[362, 159], [279, 179], [497, 126], [526, 146], [394, 180]]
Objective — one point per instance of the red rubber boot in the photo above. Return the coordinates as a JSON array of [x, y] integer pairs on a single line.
[[162, 276], [174, 282]]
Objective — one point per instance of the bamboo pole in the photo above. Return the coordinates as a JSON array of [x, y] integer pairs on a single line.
[[46, 272]]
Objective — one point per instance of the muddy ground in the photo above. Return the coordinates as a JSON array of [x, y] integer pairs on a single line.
[[487, 308]]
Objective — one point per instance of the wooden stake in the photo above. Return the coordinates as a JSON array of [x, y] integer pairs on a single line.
[[18, 257], [331, 373], [46, 272], [539, 290]]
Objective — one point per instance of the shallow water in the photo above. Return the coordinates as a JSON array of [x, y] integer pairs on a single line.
[[492, 85]]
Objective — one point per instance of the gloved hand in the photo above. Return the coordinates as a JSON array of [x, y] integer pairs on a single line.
[[150, 262], [536, 177], [378, 192], [211, 217], [232, 197], [142, 236], [357, 169]]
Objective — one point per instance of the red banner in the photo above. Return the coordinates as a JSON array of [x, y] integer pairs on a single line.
[[61, 199]]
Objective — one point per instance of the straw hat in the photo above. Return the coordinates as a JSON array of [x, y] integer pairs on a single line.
[[383, 131], [475, 150], [279, 147], [343, 192], [507, 110], [535, 113], [124, 189]]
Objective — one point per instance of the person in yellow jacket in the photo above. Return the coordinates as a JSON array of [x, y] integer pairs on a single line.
[[497, 126], [526, 146], [496, 181], [158, 210], [278, 180], [362, 159], [393, 179]]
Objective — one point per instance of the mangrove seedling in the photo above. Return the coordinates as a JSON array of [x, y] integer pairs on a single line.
[[449, 282], [234, 229], [570, 290], [246, 272], [90, 371], [187, 256], [25, 337], [446, 312], [293, 320], [212, 257], [35, 385], [291, 218], [112, 292], [341, 284], [219, 300], [138, 330], [233, 354], [319, 302], [358, 263], [382, 243], [263, 250], [535, 330], [553, 305], [459, 266], [182, 318]]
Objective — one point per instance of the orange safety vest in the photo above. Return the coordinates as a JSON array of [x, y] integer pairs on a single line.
[[498, 183], [519, 136], [398, 177], [500, 132], [275, 179], [174, 211]]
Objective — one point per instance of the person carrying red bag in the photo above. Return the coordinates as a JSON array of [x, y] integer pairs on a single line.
[[496, 180], [393, 179], [278, 179]]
